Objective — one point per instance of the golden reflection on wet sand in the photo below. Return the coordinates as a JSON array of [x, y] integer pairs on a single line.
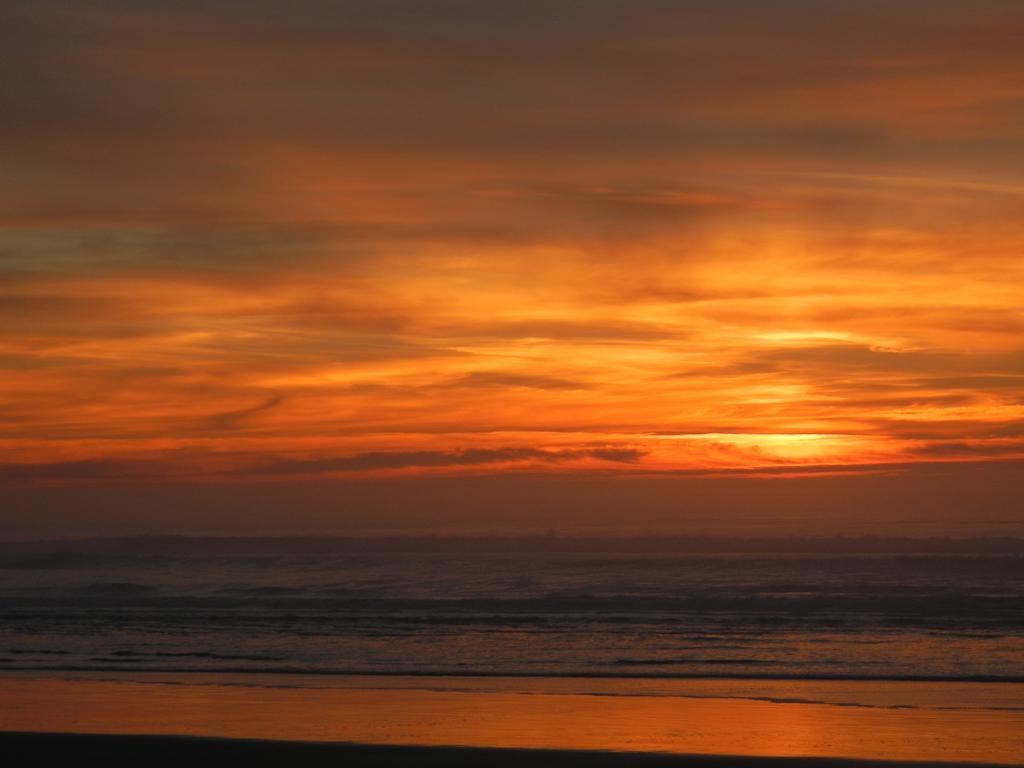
[[530, 718]]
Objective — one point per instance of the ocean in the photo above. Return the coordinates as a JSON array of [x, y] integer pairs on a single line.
[[878, 656], [741, 616]]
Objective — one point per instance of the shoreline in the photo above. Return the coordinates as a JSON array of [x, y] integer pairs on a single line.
[[923, 722], [36, 747], [127, 668]]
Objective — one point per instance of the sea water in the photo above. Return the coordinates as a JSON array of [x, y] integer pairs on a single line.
[[917, 617]]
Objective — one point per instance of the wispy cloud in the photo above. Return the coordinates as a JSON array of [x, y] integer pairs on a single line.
[[366, 238]]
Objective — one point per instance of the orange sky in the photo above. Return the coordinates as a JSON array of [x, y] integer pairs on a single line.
[[244, 244]]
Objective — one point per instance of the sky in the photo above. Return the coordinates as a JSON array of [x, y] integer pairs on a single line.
[[339, 266]]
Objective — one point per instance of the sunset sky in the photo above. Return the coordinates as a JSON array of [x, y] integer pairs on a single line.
[[268, 266]]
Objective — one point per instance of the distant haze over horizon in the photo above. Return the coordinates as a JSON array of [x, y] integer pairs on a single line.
[[699, 266], [59, 553]]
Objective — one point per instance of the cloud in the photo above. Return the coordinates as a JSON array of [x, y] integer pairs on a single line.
[[231, 419], [960, 449], [501, 380], [165, 468], [469, 457], [264, 102], [344, 240], [84, 470]]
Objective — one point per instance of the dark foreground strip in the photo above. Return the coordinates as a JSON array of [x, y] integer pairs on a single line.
[[79, 750]]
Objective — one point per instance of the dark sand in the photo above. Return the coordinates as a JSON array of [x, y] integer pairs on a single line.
[[60, 749]]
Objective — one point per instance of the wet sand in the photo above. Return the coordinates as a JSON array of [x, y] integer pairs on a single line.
[[428, 726]]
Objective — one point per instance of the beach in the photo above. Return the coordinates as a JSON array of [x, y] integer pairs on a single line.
[[569, 721], [27, 748], [795, 656]]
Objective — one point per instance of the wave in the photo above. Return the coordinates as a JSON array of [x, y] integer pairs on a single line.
[[52, 561], [692, 660], [601, 607], [117, 589], [196, 655]]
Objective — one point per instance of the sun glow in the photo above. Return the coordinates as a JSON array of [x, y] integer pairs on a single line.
[[535, 280]]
